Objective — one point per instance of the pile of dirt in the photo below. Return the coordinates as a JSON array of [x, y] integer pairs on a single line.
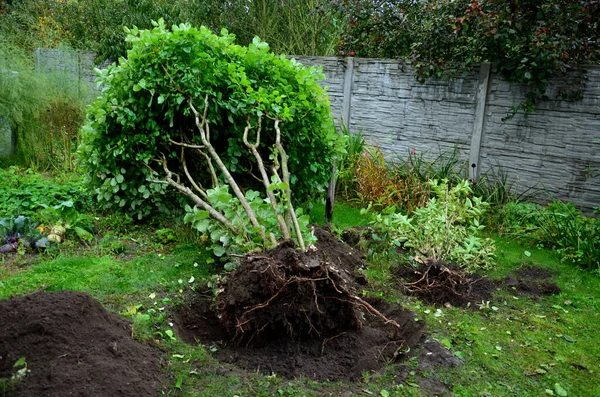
[[74, 347], [344, 356], [299, 314], [291, 294]]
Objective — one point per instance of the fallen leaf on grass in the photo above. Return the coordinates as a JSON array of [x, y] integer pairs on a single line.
[[560, 390]]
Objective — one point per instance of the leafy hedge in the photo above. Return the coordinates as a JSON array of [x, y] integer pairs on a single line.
[[144, 106]]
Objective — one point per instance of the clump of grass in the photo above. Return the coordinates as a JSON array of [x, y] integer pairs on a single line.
[[45, 110], [346, 168], [559, 225], [390, 184], [368, 178], [447, 165], [576, 237]]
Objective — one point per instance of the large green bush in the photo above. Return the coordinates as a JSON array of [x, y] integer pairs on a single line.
[[145, 106]]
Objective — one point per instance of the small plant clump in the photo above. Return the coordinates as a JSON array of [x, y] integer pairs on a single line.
[[365, 176], [558, 225], [20, 234], [444, 230]]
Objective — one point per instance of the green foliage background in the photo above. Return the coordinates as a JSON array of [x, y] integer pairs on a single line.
[[530, 41], [45, 110], [299, 27]]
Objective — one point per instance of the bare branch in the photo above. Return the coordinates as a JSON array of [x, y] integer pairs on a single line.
[[194, 184], [286, 178], [188, 192], [265, 178], [186, 145], [203, 128]]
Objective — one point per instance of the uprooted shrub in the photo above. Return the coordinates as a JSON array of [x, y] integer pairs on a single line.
[[445, 230], [145, 122], [285, 293]]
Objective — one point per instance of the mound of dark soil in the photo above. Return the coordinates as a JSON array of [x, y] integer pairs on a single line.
[[298, 313], [339, 357], [74, 347]]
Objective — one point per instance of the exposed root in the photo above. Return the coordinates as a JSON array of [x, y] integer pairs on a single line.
[[441, 283], [290, 293], [376, 312], [327, 340]]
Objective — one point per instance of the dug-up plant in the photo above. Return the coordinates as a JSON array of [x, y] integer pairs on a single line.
[[445, 230], [240, 222]]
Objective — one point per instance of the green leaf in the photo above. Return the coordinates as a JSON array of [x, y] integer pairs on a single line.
[[218, 250], [560, 390], [83, 234], [20, 363]]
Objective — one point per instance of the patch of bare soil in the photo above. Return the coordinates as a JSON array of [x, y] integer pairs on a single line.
[[299, 314], [531, 281], [74, 347]]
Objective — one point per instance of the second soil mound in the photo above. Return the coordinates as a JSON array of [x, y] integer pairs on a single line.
[[74, 347]]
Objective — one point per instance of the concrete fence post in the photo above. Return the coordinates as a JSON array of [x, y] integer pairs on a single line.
[[347, 99], [478, 122], [345, 120]]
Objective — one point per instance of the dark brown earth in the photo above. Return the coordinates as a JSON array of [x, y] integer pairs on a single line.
[[340, 357], [74, 347], [445, 284], [300, 314], [531, 281]]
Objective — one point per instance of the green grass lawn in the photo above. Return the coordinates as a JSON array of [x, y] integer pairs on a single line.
[[512, 346]]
